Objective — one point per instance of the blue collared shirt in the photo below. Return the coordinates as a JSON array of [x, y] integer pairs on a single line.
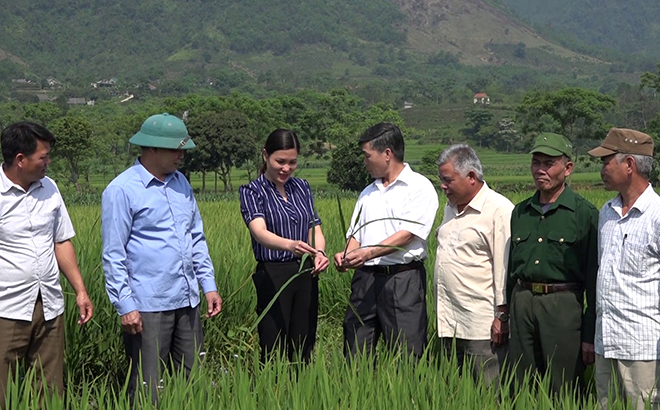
[[154, 248], [291, 219]]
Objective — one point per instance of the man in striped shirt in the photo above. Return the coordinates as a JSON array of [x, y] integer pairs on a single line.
[[628, 299]]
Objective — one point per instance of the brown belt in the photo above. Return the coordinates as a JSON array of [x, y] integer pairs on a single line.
[[392, 269], [545, 288]]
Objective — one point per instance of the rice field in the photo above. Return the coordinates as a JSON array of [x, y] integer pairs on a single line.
[[230, 376]]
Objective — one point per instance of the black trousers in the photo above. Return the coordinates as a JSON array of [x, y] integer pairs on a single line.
[[390, 305], [289, 327]]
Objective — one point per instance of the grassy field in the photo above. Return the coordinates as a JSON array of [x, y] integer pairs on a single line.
[[509, 171], [230, 376]]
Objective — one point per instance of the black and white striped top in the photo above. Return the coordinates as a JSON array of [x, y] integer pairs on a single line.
[[290, 219]]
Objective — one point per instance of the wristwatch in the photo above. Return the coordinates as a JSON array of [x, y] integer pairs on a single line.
[[502, 316]]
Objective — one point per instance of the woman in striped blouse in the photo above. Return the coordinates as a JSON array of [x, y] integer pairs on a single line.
[[279, 212]]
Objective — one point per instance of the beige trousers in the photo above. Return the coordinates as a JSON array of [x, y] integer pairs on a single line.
[[632, 380]]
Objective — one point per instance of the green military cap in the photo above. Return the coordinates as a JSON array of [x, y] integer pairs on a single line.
[[163, 131], [552, 144]]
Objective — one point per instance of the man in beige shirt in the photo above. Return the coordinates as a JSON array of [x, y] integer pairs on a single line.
[[471, 264]]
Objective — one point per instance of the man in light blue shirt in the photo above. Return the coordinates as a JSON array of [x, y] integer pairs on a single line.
[[155, 256]]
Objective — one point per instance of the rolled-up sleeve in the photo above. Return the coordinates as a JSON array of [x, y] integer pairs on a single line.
[[116, 223], [202, 264], [310, 198], [252, 205]]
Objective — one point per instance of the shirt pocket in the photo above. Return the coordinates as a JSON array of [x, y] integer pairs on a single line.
[[182, 210], [43, 222], [562, 250], [634, 259], [520, 248]]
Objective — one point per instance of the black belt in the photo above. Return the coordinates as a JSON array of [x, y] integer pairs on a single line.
[[545, 288], [392, 269]]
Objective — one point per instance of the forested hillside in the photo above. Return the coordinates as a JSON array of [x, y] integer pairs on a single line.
[[627, 26], [92, 38], [138, 41]]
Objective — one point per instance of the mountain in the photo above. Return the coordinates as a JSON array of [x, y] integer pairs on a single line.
[[294, 42], [627, 26], [469, 28]]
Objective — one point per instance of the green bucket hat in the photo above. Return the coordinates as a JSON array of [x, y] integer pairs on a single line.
[[552, 144], [163, 131]]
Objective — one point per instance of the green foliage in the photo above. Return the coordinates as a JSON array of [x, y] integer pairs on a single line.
[[577, 112], [627, 26], [224, 141], [75, 144], [347, 169], [99, 36]]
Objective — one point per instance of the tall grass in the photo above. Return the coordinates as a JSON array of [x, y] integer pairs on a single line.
[[230, 376]]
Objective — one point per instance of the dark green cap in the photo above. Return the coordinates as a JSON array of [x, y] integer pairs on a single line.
[[163, 131], [552, 144]]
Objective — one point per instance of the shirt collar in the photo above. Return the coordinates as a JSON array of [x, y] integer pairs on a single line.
[[6, 184], [566, 199], [267, 182], [405, 176], [641, 204], [477, 203], [146, 177]]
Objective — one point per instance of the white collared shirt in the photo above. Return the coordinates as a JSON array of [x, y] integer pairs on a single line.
[[628, 285], [411, 196], [30, 224], [471, 264]]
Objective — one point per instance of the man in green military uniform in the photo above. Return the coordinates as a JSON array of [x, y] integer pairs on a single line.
[[553, 261]]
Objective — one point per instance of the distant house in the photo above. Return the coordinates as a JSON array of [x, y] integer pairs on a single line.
[[45, 98], [481, 98], [105, 83], [407, 104], [76, 101]]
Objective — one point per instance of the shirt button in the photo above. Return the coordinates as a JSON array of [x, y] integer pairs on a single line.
[[561, 240], [542, 217], [536, 262], [518, 239], [540, 240]]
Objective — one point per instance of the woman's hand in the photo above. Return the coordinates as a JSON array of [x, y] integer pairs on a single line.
[[321, 262], [299, 248]]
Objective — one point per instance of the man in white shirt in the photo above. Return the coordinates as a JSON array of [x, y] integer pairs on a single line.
[[35, 245], [471, 264], [627, 341], [387, 248]]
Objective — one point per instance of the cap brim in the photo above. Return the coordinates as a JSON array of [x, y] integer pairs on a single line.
[[547, 151], [146, 140], [600, 152]]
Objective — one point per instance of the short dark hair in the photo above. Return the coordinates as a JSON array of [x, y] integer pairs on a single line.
[[278, 140], [21, 138], [385, 135]]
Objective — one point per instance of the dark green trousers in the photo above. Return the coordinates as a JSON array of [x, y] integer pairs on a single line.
[[546, 336]]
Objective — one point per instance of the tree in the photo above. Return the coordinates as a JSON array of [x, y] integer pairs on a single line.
[[42, 113], [347, 169], [74, 145], [520, 50], [578, 112], [224, 140], [478, 122]]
